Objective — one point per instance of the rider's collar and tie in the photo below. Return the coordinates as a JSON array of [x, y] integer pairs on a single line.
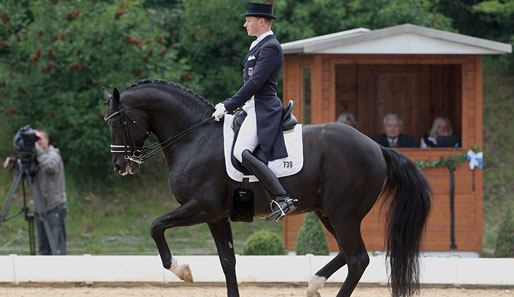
[[260, 38]]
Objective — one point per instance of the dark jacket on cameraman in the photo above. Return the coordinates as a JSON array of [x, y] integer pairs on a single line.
[[50, 177]]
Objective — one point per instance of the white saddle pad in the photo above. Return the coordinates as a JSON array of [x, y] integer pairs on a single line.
[[280, 167]]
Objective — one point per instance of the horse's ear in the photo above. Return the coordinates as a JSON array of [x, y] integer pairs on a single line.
[[116, 96], [107, 96]]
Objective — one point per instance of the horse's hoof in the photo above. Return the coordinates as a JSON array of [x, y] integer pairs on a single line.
[[312, 293], [185, 274]]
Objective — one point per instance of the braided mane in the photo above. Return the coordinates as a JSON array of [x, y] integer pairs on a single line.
[[166, 84]]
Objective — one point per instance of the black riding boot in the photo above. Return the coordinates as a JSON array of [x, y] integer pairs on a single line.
[[281, 203]]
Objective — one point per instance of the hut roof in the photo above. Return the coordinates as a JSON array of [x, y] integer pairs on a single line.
[[402, 39]]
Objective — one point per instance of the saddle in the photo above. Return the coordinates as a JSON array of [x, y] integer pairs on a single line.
[[289, 121]]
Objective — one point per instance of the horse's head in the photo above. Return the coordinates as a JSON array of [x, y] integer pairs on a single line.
[[129, 129]]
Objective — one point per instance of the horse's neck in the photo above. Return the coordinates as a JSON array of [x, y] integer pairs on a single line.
[[203, 141], [170, 118], [170, 111]]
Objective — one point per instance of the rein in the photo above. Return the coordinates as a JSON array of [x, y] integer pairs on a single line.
[[140, 155]]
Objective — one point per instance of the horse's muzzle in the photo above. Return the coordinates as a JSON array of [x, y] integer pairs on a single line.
[[125, 168]]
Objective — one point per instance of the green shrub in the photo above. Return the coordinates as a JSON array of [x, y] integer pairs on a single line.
[[264, 242], [505, 240], [311, 238]]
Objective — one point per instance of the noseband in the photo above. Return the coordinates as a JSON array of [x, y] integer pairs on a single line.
[[137, 154]]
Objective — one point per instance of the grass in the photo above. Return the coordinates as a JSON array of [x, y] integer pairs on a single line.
[[117, 219], [498, 147]]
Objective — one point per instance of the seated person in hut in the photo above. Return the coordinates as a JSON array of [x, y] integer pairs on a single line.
[[348, 119], [392, 136], [441, 129]]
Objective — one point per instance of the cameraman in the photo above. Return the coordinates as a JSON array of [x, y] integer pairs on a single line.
[[49, 187]]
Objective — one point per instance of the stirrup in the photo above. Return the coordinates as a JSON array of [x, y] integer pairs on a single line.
[[279, 213]]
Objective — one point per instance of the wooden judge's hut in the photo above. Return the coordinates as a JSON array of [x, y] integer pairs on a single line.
[[419, 74]]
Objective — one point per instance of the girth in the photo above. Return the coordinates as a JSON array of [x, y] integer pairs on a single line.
[[289, 121]]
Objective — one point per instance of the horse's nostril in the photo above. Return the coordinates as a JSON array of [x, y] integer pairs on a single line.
[[116, 167]]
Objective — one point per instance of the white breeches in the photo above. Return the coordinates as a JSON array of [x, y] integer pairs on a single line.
[[247, 137]]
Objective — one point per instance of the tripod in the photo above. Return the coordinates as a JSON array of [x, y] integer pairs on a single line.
[[27, 168]]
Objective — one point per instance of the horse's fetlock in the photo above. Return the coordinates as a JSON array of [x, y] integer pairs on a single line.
[[315, 284], [228, 263], [166, 262]]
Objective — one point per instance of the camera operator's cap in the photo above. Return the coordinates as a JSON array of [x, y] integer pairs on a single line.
[[262, 10]]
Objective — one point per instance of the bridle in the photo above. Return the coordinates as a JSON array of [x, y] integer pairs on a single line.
[[139, 154]]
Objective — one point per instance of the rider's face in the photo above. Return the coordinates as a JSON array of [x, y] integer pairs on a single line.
[[253, 25]]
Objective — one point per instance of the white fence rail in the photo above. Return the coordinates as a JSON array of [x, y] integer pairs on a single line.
[[90, 269]]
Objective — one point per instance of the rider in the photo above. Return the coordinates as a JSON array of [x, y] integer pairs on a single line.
[[258, 97]]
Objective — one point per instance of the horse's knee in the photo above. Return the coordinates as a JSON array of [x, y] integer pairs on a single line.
[[156, 229]]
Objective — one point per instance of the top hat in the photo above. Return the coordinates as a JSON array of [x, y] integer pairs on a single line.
[[262, 10]]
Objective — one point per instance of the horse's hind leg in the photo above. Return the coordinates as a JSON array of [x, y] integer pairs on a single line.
[[319, 279], [350, 241], [222, 234], [351, 252]]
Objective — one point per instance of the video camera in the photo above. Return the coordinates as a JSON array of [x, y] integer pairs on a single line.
[[25, 139], [26, 166]]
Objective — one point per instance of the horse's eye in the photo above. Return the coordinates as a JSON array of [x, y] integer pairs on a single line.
[[116, 125]]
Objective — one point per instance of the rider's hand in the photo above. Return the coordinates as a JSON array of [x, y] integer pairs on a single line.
[[220, 111]]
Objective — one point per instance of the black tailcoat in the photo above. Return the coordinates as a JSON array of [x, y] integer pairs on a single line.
[[262, 65]]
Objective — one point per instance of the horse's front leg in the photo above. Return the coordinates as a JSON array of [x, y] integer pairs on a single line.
[[186, 215], [222, 234]]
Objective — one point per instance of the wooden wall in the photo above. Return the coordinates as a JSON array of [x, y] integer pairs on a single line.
[[421, 87], [417, 93], [468, 210]]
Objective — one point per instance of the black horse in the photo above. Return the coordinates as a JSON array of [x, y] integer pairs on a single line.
[[343, 175]]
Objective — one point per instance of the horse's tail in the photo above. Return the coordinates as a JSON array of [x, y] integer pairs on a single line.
[[408, 192]]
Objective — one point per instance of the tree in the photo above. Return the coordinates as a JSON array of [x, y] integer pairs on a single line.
[[311, 238], [501, 13], [213, 39], [303, 19], [56, 55], [485, 19]]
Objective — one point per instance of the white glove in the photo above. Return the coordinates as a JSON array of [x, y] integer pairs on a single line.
[[220, 111]]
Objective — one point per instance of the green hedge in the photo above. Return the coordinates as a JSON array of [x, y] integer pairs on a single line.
[[264, 242], [311, 238]]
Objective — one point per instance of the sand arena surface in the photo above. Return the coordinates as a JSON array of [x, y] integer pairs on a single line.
[[246, 290]]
